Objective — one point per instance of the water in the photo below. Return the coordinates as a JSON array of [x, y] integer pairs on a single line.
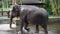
[[4, 26], [5, 29], [53, 28]]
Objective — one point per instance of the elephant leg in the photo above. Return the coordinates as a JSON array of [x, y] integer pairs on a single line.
[[45, 28], [26, 25], [21, 28], [11, 21], [37, 29]]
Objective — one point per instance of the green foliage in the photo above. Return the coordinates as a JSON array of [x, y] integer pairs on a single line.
[[52, 6], [6, 5], [48, 7]]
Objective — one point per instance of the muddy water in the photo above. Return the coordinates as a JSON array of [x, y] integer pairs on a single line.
[[53, 28], [5, 29]]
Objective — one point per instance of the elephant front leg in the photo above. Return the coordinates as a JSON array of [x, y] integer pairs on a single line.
[[21, 28], [26, 27], [11, 21]]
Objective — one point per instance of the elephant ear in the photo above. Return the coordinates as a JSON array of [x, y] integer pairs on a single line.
[[16, 8]]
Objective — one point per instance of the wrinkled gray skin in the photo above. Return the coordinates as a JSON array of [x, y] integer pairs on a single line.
[[31, 14]]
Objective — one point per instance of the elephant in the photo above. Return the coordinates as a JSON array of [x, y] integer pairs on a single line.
[[31, 14]]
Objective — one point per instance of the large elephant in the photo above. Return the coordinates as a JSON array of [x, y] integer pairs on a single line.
[[31, 14]]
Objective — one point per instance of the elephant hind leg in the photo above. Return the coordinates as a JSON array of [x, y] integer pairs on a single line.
[[37, 29], [45, 28]]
